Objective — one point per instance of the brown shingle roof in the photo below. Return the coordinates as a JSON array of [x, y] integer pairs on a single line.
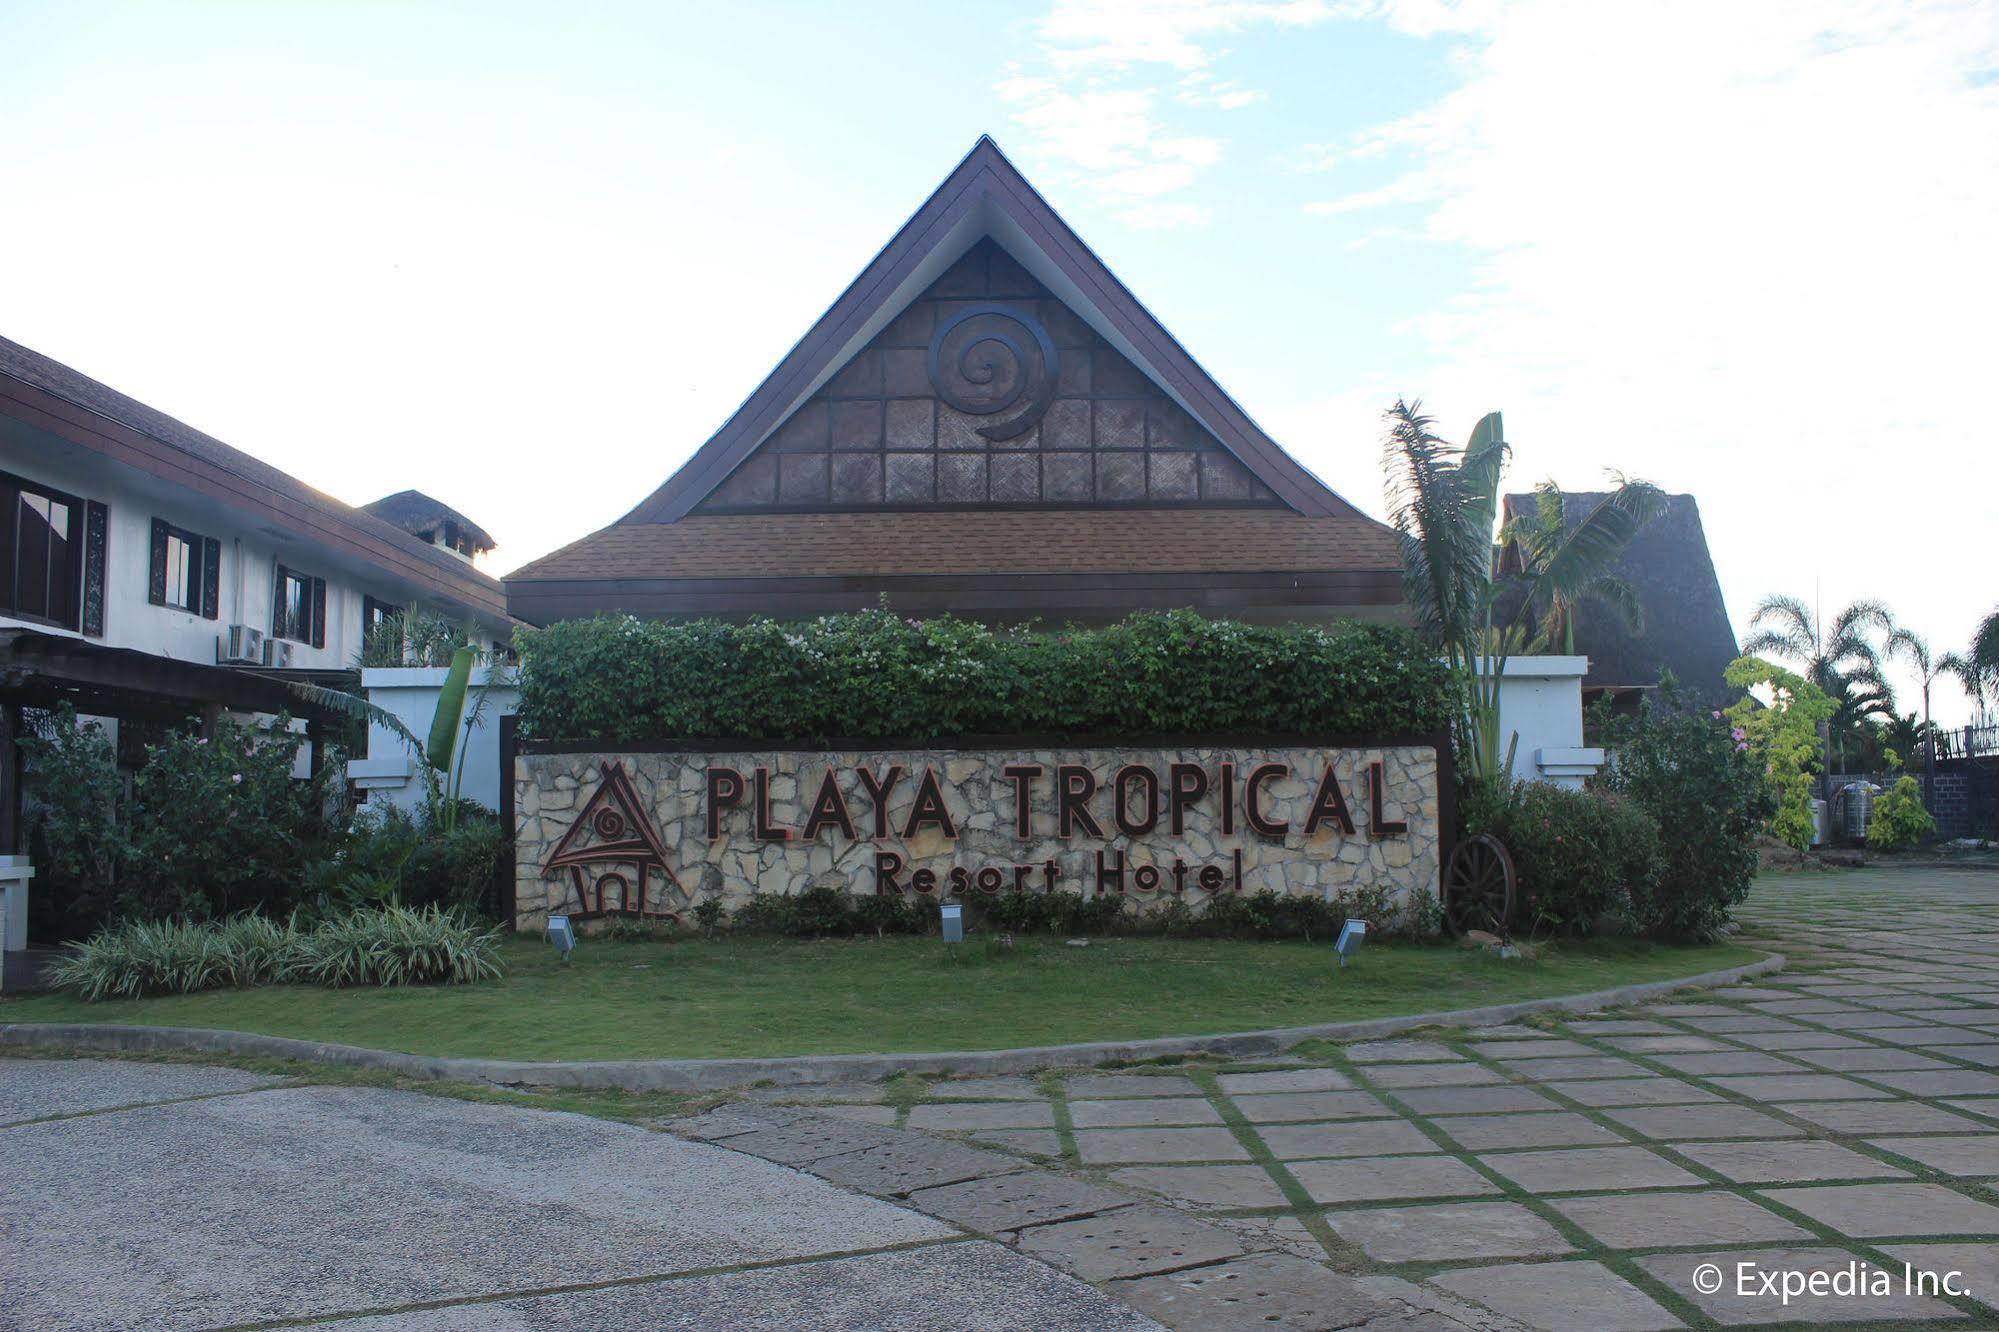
[[807, 545]]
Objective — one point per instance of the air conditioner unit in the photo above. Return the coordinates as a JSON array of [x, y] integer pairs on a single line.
[[243, 646], [278, 654]]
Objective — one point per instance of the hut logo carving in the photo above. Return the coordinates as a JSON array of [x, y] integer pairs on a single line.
[[613, 857]]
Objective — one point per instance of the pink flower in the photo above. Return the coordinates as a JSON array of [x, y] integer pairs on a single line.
[[1717, 715], [235, 778], [1742, 747]]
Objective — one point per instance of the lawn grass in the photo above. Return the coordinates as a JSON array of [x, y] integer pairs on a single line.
[[698, 998]]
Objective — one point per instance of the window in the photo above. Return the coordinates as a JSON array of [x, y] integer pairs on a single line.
[[186, 572], [41, 553], [298, 608], [374, 614]]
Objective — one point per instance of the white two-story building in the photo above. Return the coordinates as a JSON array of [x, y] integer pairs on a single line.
[[150, 573]]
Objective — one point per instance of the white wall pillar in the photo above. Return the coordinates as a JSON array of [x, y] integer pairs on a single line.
[[1541, 699]]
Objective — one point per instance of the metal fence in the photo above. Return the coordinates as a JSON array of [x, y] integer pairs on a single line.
[[1964, 742]]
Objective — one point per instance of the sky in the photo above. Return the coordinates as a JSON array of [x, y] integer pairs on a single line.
[[526, 258]]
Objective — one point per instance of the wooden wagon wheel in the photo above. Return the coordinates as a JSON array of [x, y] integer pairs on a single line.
[[1478, 886]]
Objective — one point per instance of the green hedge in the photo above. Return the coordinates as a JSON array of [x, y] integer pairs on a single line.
[[829, 913], [877, 675]]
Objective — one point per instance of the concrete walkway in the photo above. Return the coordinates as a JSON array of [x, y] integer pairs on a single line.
[[1595, 1173], [164, 1197]]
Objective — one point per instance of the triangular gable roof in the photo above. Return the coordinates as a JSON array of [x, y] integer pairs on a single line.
[[585, 842], [986, 196], [1686, 626]]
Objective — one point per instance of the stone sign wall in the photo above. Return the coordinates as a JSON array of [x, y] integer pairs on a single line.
[[651, 834]]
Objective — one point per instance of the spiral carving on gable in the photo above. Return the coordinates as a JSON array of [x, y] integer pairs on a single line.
[[989, 359]]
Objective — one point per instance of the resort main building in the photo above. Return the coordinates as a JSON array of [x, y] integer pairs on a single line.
[[987, 422]]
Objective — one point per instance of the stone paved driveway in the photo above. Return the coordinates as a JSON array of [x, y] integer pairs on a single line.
[[1595, 1173]]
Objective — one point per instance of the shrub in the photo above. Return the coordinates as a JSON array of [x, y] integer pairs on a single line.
[[1580, 855], [213, 826], [875, 675], [1267, 914], [882, 913], [384, 946], [1784, 737], [397, 945], [415, 637], [1900, 821], [75, 824], [220, 825], [1709, 796], [392, 856], [826, 911]]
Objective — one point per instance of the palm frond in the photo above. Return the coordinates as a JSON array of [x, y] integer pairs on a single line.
[[1591, 549], [360, 709], [1621, 597], [1793, 630], [1772, 642], [1445, 529], [1975, 682], [1906, 643], [1985, 645], [1861, 616]]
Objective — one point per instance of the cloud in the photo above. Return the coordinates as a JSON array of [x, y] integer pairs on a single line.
[[1202, 89], [1111, 76], [1742, 250], [1160, 216], [1082, 34]]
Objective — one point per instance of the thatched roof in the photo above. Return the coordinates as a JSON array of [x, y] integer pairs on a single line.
[[419, 515], [1686, 627]]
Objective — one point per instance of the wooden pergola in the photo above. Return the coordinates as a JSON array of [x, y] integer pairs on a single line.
[[43, 671]]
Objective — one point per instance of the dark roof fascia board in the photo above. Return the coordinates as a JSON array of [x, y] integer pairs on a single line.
[[985, 178], [113, 439], [541, 601]]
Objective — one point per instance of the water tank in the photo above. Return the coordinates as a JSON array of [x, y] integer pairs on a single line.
[[1859, 798], [1821, 824]]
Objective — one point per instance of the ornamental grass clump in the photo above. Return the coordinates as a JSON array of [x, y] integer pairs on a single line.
[[128, 961], [397, 945], [379, 946]]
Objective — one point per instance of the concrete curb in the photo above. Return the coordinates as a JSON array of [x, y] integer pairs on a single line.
[[720, 1074]]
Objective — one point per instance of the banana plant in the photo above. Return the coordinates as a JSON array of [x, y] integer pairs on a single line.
[[442, 754], [1443, 502]]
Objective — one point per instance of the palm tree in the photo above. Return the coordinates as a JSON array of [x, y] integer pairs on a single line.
[[1566, 565], [1839, 658], [1906, 643], [1977, 670], [1444, 503]]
